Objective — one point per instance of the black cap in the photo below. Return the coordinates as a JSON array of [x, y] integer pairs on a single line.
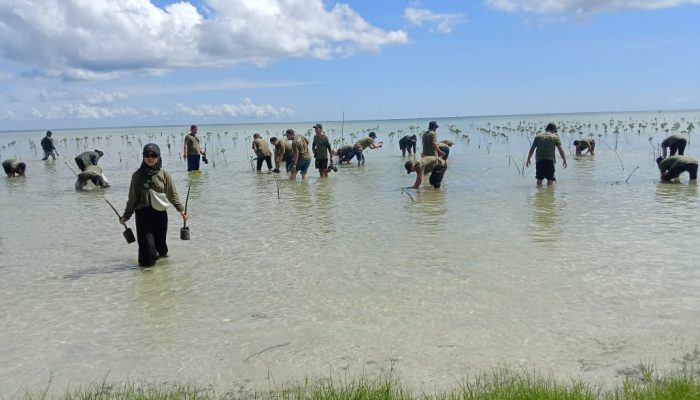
[[433, 125], [408, 166], [551, 128], [193, 127], [318, 126], [48, 133], [99, 152], [289, 131], [372, 135], [152, 147]]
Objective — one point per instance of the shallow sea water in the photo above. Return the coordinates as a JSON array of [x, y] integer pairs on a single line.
[[349, 274]]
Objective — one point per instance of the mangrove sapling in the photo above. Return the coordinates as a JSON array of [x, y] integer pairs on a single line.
[[630, 175], [409, 195]]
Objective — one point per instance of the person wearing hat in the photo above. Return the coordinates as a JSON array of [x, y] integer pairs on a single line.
[[545, 144], [322, 150], [301, 156], [364, 143], [587, 144], [435, 166], [151, 192], [283, 152], [345, 154], [87, 158], [94, 174], [262, 152], [671, 167], [192, 150], [48, 144], [408, 143], [430, 143], [676, 143], [13, 168]]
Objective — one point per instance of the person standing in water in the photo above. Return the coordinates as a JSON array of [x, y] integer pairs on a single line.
[[283, 152], [151, 191], [435, 166], [408, 143], [87, 158], [192, 150], [676, 143], [431, 146], [322, 150], [48, 144], [545, 144], [301, 156], [345, 154], [364, 143], [93, 174], [587, 144], [262, 152], [673, 166], [13, 168]]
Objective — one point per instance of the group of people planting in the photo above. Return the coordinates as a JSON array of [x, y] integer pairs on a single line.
[[152, 189]]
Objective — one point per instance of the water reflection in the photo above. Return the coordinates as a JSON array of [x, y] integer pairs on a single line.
[[676, 194], [429, 211], [544, 215]]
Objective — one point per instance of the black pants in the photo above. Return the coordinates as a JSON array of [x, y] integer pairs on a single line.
[[151, 231], [675, 172], [79, 162], [437, 175], [679, 147], [268, 161]]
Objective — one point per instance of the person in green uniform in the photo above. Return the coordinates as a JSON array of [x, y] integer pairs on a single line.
[[87, 158], [151, 192], [345, 154], [408, 143], [435, 166], [192, 150], [587, 144], [301, 156], [676, 143], [672, 166], [94, 174], [262, 152], [362, 144], [283, 152], [431, 146], [322, 150], [14, 168], [48, 144], [545, 144]]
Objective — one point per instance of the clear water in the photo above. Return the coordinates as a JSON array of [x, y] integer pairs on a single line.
[[348, 274]]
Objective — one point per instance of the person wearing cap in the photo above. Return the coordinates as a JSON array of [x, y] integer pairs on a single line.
[[262, 152], [322, 150], [364, 143], [151, 192], [48, 144], [545, 144], [94, 174], [301, 156], [587, 144], [283, 152], [192, 150], [435, 166], [345, 154], [13, 168], [676, 143], [408, 143], [87, 158], [672, 166], [430, 143]]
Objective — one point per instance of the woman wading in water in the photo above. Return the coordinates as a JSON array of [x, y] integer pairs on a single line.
[[151, 192]]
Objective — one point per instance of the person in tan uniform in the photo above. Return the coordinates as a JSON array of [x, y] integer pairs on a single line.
[[13, 168], [364, 143], [587, 144], [671, 167], [345, 154], [283, 152], [322, 150], [262, 152], [192, 150], [431, 146], [544, 144], [151, 192], [301, 156], [435, 166]]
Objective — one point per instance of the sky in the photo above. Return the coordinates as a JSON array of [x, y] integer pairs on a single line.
[[108, 63]]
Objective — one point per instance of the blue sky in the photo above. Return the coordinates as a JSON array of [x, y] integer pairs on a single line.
[[76, 64]]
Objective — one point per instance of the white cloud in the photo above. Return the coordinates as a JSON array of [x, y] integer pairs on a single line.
[[6, 114], [92, 98], [245, 109], [4, 76], [88, 111], [106, 97], [105, 39], [445, 22], [583, 7]]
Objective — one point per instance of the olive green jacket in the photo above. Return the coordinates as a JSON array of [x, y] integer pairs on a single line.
[[161, 182]]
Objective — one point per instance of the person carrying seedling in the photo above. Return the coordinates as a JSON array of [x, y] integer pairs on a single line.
[[587, 144], [192, 150], [435, 166], [671, 167], [93, 174], [262, 152], [364, 143], [283, 152], [301, 156], [87, 158]]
